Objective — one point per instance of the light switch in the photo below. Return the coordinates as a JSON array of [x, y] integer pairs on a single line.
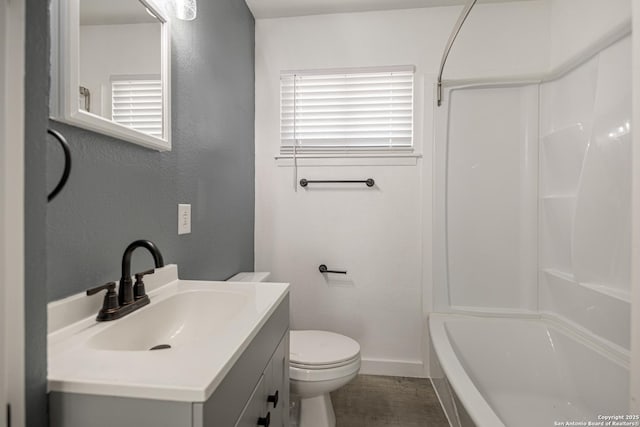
[[184, 219]]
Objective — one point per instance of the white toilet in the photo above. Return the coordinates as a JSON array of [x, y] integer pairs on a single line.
[[319, 362]]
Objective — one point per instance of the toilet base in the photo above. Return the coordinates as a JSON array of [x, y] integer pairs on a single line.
[[317, 411]]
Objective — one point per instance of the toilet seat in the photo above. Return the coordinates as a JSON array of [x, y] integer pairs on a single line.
[[317, 349], [325, 366], [322, 356], [326, 374]]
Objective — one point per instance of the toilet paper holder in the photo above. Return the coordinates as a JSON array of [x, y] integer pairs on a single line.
[[322, 268]]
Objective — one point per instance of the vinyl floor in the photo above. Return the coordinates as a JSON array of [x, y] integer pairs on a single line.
[[377, 401]]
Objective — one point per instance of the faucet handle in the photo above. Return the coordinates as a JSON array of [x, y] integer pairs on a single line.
[[111, 286], [110, 303], [138, 287], [139, 276]]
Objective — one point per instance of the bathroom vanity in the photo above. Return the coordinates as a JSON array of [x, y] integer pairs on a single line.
[[225, 365]]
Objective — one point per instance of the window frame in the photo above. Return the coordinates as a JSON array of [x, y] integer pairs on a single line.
[[346, 150]]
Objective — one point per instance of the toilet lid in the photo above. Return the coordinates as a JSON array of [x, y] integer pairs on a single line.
[[321, 348]]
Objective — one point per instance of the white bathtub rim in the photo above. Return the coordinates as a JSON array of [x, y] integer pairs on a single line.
[[452, 423], [475, 404], [473, 401]]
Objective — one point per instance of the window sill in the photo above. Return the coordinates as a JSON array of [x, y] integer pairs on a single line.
[[353, 159]]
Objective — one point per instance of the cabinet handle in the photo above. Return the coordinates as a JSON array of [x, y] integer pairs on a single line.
[[265, 421], [273, 398]]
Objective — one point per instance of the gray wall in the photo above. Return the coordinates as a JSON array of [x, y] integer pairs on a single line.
[[119, 192], [36, 111]]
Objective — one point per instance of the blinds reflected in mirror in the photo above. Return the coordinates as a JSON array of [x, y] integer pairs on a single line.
[[358, 109], [137, 103]]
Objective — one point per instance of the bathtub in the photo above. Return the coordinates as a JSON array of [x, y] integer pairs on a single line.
[[523, 372]]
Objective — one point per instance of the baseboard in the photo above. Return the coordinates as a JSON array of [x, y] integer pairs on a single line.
[[392, 368]]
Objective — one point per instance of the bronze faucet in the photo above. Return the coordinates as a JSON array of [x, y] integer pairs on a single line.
[[126, 293], [130, 297]]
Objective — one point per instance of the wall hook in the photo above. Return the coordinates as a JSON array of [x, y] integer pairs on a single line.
[[67, 163]]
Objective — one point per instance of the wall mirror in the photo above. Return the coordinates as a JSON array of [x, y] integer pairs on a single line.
[[111, 69]]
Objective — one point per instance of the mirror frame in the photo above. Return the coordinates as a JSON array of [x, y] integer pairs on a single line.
[[65, 71]]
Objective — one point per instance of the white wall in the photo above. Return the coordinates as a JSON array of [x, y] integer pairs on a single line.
[[382, 236], [576, 24], [116, 50]]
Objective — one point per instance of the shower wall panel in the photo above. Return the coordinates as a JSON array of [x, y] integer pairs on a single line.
[[585, 168], [492, 197]]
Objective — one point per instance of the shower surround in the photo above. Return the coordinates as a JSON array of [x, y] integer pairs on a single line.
[[533, 192]]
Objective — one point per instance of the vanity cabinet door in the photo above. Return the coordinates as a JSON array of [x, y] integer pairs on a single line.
[[255, 413], [277, 385], [269, 402]]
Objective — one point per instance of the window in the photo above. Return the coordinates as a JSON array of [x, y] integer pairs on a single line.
[[347, 110], [137, 103]]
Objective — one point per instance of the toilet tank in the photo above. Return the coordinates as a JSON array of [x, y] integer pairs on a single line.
[[255, 276]]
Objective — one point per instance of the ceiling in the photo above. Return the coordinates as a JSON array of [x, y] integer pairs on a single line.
[[282, 8], [113, 12]]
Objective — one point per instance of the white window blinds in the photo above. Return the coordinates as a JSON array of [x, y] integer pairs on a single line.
[[368, 109], [137, 103]]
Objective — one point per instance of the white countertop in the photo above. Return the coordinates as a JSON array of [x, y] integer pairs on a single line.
[[189, 371]]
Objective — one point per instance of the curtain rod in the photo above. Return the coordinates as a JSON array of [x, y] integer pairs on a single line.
[[452, 38]]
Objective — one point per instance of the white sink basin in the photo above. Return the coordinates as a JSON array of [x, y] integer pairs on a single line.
[[203, 326], [181, 320]]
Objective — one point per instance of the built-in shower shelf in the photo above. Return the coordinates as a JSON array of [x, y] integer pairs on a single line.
[[561, 274], [559, 135], [619, 294], [559, 197]]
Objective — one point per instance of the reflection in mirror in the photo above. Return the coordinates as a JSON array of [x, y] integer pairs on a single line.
[[120, 64]]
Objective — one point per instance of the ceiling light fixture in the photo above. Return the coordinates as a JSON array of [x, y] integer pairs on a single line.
[[186, 10]]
